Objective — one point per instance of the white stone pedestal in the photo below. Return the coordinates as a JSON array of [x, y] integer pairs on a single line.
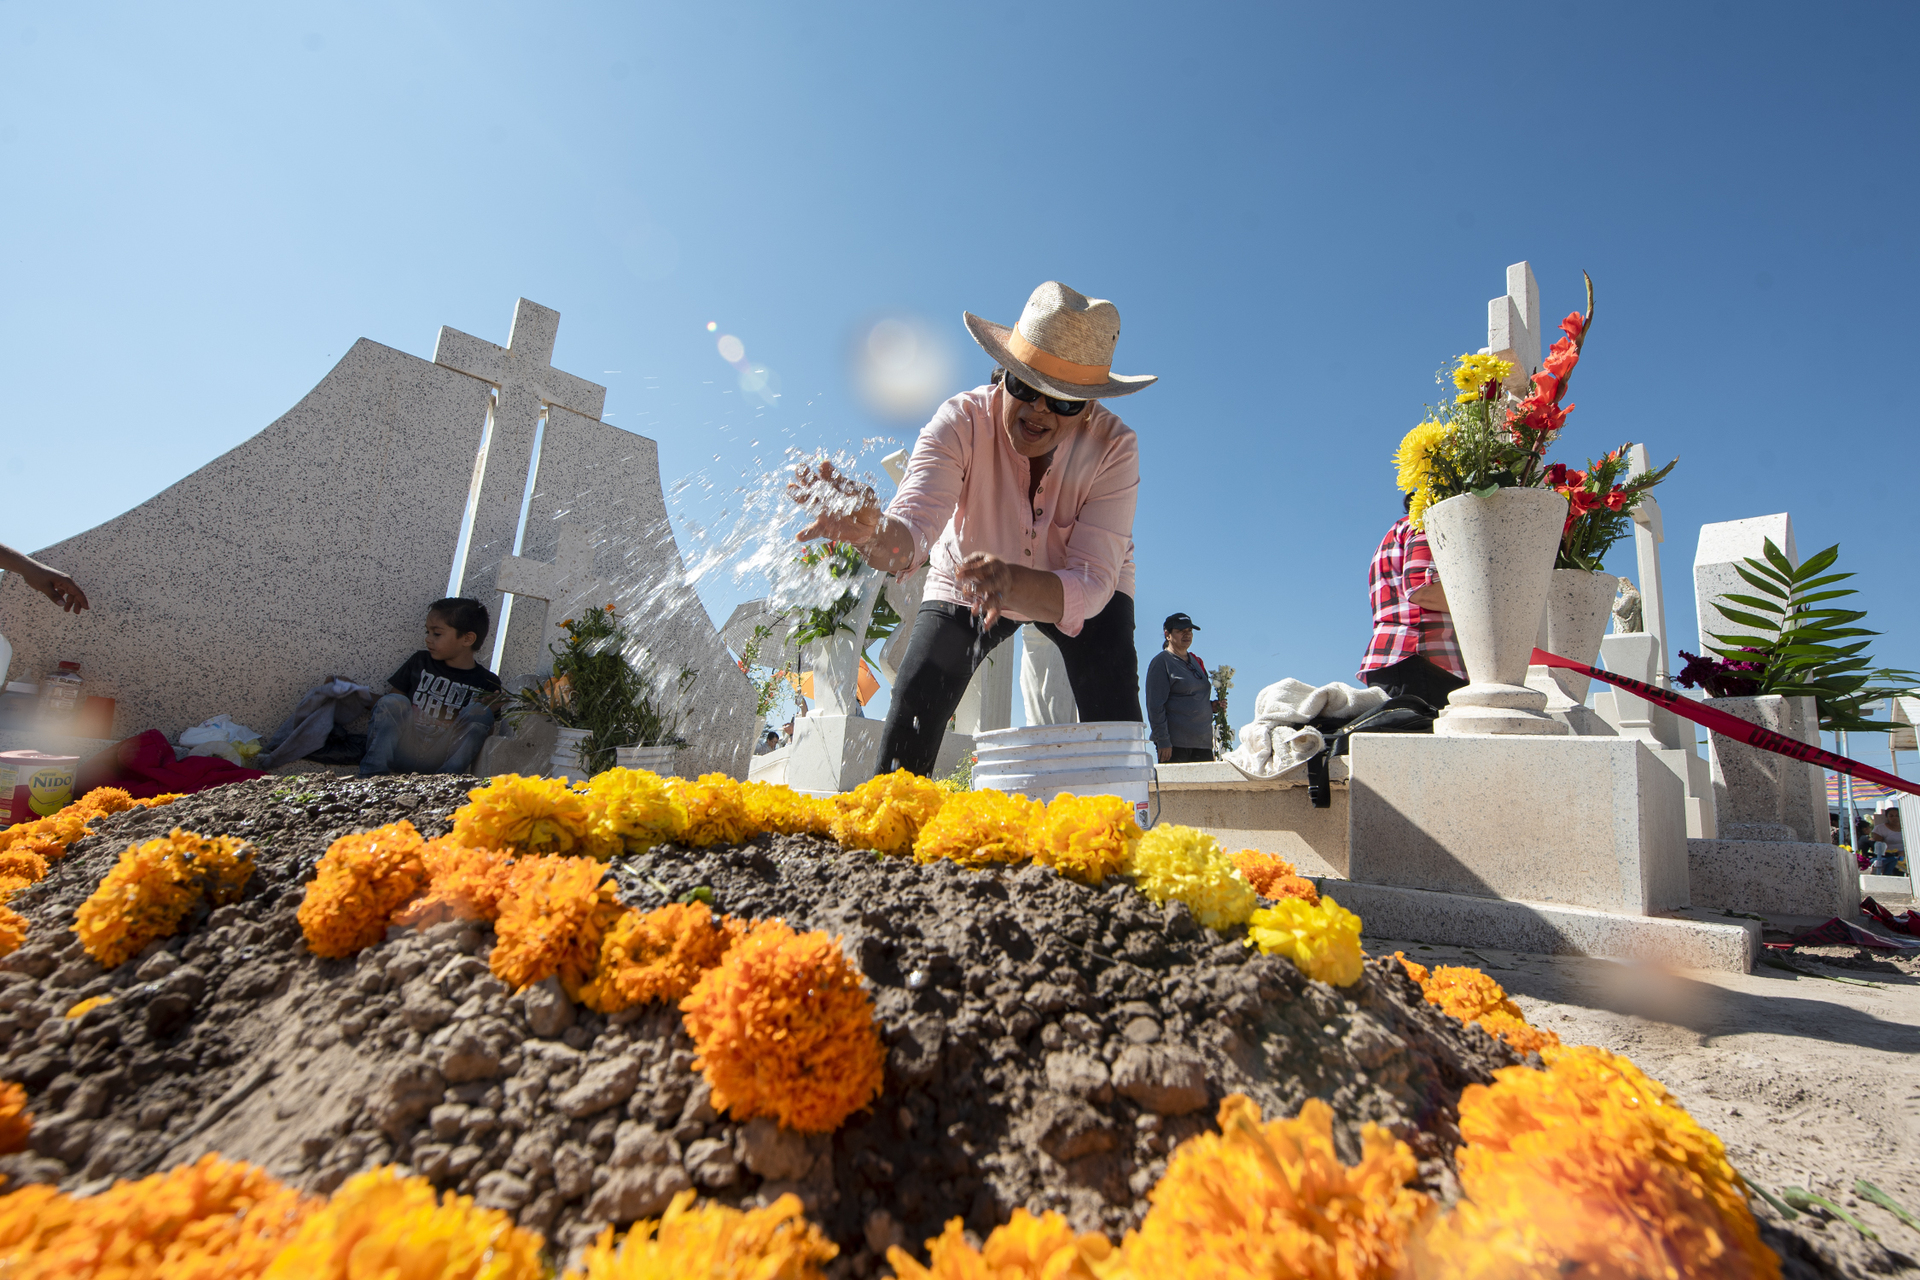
[[1774, 877], [1636, 655], [831, 754], [1757, 791]]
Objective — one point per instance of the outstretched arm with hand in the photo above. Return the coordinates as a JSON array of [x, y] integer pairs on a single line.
[[47, 580]]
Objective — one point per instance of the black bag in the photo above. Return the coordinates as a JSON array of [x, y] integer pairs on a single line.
[[1396, 715]]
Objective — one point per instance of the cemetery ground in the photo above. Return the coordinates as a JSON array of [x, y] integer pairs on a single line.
[[1048, 1044]]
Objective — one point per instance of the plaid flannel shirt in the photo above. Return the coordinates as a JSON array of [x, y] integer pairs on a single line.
[[1401, 628]]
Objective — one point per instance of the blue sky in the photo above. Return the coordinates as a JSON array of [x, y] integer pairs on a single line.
[[1301, 212]]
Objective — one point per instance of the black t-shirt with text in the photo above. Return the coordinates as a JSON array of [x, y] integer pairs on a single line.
[[440, 692]]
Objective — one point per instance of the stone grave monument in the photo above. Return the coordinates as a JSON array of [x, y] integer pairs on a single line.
[[1772, 850], [313, 548]]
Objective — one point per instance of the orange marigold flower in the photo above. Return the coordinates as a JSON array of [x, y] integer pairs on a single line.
[[1472, 996], [13, 930], [785, 811], [211, 1219], [88, 1005], [22, 865], [105, 800], [774, 1243], [1273, 1199], [657, 955], [462, 884], [360, 883], [554, 915], [1590, 1168], [15, 1123], [1272, 876], [886, 812], [533, 816], [979, 828], [1025, 1248], [49, 836], [154, 802], [383, 1225], [716, 809], [638, 808], [784, 1028], [155, 886], [1088, 838]]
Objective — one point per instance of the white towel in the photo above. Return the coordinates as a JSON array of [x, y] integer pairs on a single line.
[[1278, 740]]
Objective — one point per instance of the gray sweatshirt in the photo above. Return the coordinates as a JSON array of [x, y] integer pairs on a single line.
[[1179, 698]]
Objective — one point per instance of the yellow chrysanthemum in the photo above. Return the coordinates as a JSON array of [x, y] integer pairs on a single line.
[[716, 809], [1274, 1200], [214, 1219], [15, 1123], [774, 1243], [531, 816], [785, 811], [359, 884], [1413, 460], [978, 828], [1173, 861], [1474, 372], [1472, 996], [553, 918], [1087, 838], [1024, 1248], [784, 1028], [658, 955], [380, 1226], [887, 812], [1590, 1168], [639, 808], [1322, 940], [153, 888]]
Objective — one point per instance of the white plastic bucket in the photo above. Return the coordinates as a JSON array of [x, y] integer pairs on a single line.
[[565, 760], [1103, 758], [653, 759]]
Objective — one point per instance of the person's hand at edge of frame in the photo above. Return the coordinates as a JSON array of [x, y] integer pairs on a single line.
[[47, 580]]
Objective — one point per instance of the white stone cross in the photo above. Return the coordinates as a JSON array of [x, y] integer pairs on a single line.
[[567, 584], [527, 381], [1513, 327], [1648, 534]]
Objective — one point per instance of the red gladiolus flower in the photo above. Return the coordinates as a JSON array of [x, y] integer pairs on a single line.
[[1573, 325], [1561, 359], [1546, 386], [1617, 500], [1575, 479], [1557, 475]]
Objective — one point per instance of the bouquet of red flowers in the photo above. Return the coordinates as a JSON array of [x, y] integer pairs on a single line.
[[1599, 506]]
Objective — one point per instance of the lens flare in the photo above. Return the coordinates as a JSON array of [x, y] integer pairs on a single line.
[[903, 368], [713, 326], [732, 350]]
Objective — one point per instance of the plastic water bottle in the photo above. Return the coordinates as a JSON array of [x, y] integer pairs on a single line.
[[60, 694]]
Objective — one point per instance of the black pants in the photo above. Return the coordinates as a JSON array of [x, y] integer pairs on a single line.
[[1191, 755], [1418, 678], [1102, 669]]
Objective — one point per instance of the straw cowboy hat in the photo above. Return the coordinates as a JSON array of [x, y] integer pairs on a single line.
[[1063, 345]]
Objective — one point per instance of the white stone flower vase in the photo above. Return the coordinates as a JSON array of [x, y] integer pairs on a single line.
[[1495, 557], [566, 762], [1579, 603], [835, 661], [1763, 795]]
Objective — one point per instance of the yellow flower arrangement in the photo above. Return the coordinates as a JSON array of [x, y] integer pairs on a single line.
[[22, 865], [1024, 1248], [979, 828], [1087, 838], [1273, 1199], [1472, 996], [1590, 1168], [716, 809], [360, 883], [381, 1226], [49, 836], [1186, 863], [462, 884], [1322, 940], [774, 1243], [638, 807], [552, 920], [1414, 467], [153, 888], [786, 811], [532, 816], [784, 1028], [1272, 876], [214, 1219], [88, 1005], [1474, 372], [15, 1123], [657, 955], [887, 812]]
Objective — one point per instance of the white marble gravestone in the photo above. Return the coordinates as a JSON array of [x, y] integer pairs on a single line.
[[313, 548]]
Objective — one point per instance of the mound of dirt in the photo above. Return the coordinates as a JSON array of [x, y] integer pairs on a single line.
[[1048, 1043]]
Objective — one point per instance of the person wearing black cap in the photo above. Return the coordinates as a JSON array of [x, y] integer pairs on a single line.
[[1178, 708]]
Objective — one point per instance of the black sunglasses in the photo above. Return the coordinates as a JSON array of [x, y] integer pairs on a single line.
[[1022, 392]]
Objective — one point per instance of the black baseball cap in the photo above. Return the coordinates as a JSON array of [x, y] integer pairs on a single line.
[[1177, 622]]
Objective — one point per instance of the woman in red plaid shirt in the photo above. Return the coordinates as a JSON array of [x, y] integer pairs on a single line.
[[1413, 651]]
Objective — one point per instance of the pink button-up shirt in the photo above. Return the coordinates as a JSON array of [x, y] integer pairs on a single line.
[[966, 491]]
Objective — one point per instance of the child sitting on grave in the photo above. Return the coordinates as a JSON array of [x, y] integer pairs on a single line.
[[442, 702]]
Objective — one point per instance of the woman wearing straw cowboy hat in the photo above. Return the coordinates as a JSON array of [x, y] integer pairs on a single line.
[[1020, 497]]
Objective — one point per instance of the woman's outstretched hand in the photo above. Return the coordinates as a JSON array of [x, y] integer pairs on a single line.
[[843, 509]]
